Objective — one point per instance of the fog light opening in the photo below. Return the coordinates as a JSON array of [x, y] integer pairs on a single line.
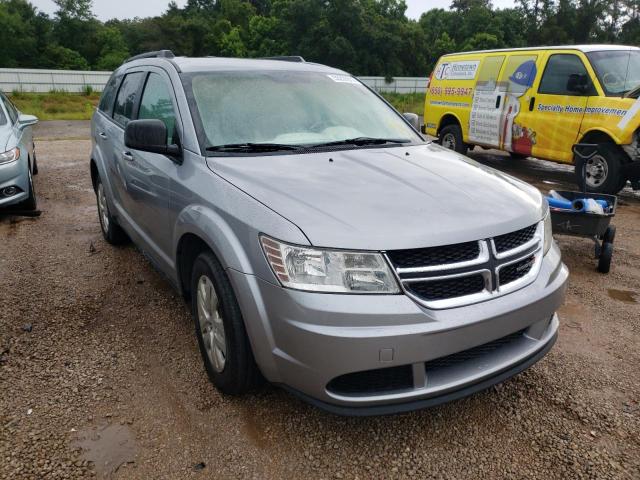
[[10, 191]]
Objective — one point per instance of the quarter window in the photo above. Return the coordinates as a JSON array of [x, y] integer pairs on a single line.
[[565, 75], [109, 95], [156, 104], [123, 110]]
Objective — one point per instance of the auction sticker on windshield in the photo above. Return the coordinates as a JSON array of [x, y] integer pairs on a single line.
[[343, 79]]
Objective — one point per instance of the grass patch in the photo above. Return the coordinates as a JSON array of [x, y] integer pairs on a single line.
[[57, 105], [406, 102]]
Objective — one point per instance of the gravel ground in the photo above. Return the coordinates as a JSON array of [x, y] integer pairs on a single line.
[[100, 373]]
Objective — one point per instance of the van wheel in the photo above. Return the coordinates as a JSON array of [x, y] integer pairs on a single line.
[[603, 171], [111, 231], [518, 156], [451, 138], [220, 331]]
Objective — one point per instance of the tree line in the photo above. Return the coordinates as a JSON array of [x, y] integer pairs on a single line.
[[364, 37]]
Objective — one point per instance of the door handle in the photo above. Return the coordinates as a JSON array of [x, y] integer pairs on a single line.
[[127, 156], [103, 135], [532, 103], [498, 101]]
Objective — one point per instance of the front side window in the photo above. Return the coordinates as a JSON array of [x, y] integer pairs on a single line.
[[127, 98], [156, 103], [565, 74], [290, 108], [617, 70], [11, 110]]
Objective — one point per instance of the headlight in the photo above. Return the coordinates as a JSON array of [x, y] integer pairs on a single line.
[[320, 270], [10, 156], [548, 233]]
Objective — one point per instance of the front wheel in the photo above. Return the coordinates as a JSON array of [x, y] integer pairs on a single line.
[[111, 231], [451, 137], [31, 203], [222, 338], [602, 173]]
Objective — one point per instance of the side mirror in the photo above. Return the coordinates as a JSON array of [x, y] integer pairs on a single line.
[[577, 84], [149, 136], [26, 120], [413, 119]]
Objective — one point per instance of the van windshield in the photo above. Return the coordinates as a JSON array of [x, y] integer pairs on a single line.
[[617, 70], [281, 108]]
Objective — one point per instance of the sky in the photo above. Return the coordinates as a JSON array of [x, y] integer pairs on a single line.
[[107, 9]]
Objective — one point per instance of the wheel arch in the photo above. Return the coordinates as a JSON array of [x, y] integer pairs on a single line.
[[93, 168], [449, 119]]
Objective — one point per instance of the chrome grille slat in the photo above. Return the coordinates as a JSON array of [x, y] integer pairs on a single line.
[[463, 279]]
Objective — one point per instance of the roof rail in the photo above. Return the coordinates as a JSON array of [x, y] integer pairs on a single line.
[[292, 58], [156, 54]]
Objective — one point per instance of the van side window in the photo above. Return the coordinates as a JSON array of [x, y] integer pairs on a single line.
[[488, 74], [127, 98], [565, 74], [109, 95], [156, 104]]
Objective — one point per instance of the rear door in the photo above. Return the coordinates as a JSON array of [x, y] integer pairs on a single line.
[[551, 120], [124, 109]]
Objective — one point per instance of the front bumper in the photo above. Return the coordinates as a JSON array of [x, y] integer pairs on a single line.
[[304, 341], [14, 174]]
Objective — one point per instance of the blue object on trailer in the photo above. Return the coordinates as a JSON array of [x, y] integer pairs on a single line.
[[578, 205]]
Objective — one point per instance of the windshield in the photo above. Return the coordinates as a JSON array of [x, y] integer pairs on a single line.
[[289, 108], [617, 70]]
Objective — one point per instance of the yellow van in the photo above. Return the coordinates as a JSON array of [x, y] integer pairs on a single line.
[[540, 102]]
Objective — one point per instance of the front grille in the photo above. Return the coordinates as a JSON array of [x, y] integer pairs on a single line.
[[517, 270], [472, 354], [447, 288], [428, 257], [513, 240], [371, 382]]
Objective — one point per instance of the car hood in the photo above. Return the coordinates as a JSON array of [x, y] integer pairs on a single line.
[[386, 198]]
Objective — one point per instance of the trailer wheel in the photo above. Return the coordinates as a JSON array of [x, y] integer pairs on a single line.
[[604, 263], [609, 234]]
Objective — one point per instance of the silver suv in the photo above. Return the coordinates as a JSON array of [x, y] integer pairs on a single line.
[[322, 243]]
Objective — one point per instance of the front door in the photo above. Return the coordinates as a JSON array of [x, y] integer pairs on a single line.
[[148, 175], [554, 113]]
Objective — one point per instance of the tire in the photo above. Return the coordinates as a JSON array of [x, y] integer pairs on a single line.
[[35, 164], [450, 137], [222, 338], [603, 170], [111, 231], [609, 234], [31, 203], [518, 156], [604, 262]]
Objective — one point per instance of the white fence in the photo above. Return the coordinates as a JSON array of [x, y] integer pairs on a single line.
[[35, 80]]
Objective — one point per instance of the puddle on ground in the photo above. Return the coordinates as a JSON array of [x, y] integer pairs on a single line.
[[626, 296], [108, 447]]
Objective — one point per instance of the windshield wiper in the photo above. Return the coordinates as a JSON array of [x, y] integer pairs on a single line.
[[252, 147], [633, 93], [362, 141]]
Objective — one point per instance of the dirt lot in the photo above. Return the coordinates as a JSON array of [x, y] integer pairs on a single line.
[[100, 373]]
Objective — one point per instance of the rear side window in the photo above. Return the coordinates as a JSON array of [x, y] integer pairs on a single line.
[[3, 117], [109, 95], [156, 103], [127, 98], [562, 71]]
